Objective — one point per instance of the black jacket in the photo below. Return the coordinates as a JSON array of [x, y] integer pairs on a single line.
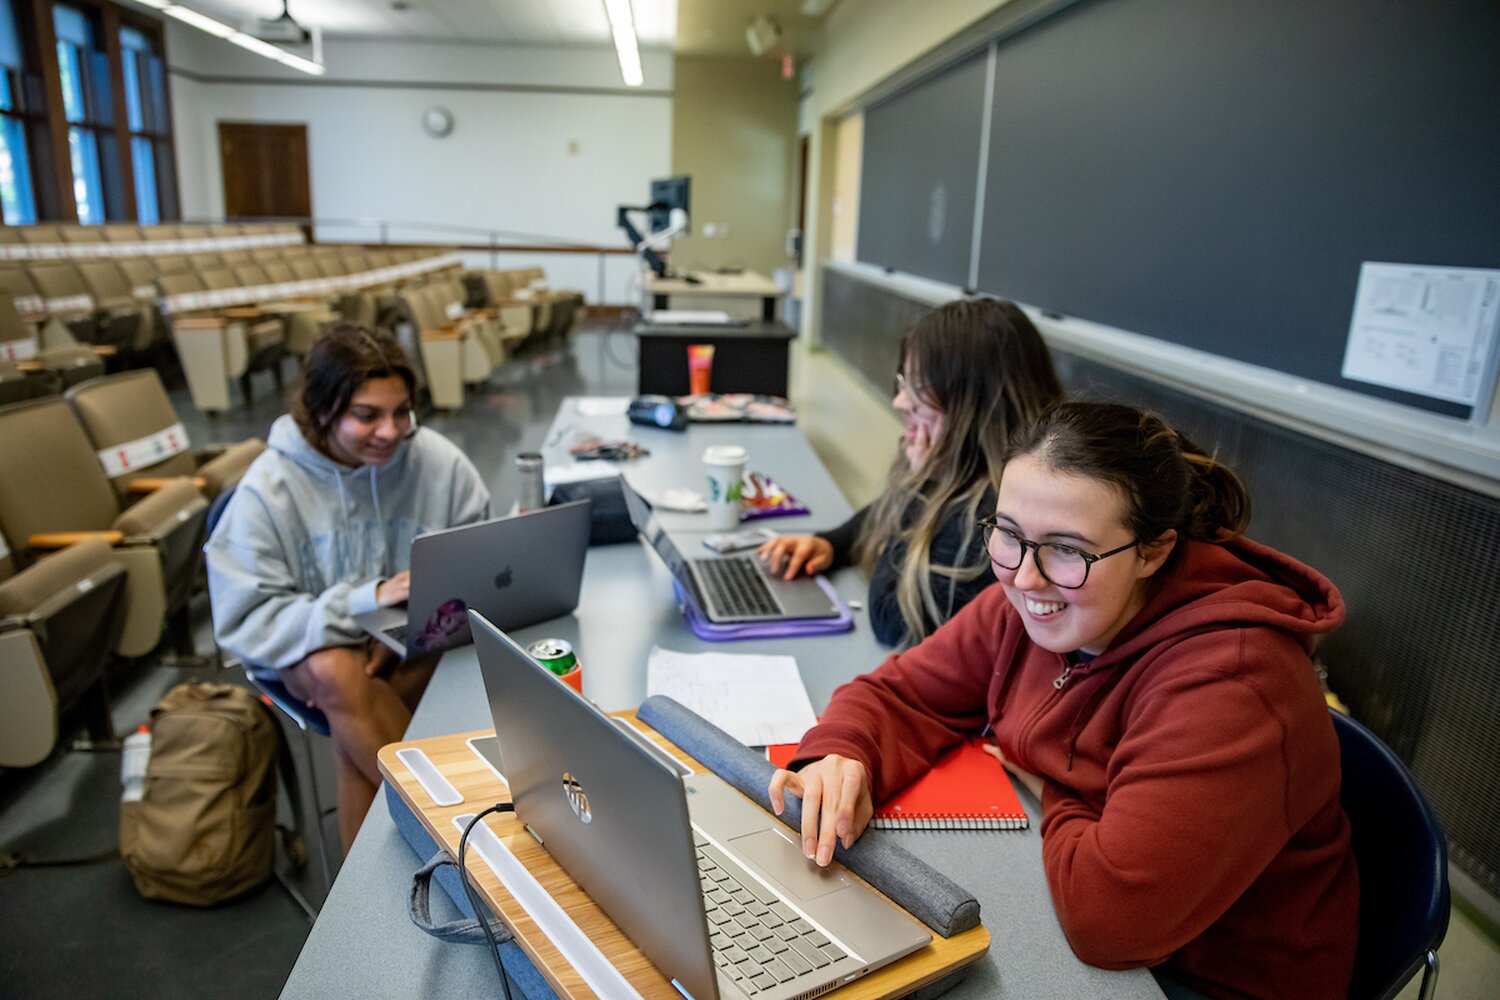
[[950, 594]]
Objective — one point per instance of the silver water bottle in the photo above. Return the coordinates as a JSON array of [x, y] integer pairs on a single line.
[[532, 492]]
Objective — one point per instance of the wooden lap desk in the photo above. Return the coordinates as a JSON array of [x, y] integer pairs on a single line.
[[480, 788]]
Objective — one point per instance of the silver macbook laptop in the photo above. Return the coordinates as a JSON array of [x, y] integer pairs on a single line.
[[517, 570], [708, 885], [731, 588]]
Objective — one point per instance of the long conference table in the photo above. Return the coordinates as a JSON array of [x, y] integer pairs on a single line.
[[363, 944]]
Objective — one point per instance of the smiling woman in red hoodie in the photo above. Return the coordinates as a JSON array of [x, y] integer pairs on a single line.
[[1145, 671]]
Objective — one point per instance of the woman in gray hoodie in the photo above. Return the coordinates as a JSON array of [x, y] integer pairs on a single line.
[[319, 530]]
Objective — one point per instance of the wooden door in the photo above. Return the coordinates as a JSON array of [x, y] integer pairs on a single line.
[[265, 171]]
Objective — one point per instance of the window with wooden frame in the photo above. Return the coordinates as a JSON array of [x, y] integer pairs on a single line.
[[149, 123], [88, 107], [18, 194], [85, 114]]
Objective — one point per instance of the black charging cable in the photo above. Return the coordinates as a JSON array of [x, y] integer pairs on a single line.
[[481, 912]]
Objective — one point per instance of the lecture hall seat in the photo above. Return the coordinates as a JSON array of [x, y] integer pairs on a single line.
[[59, 620], [119, 410], [54, 493]]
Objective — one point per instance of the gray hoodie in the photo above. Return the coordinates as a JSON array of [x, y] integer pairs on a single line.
[[304, 541]]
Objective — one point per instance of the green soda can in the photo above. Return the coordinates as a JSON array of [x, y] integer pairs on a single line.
[[554, 654]]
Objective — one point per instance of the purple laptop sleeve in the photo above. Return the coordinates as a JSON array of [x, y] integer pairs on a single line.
[[705, 629]]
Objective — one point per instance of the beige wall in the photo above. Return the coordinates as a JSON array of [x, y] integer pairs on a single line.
[[864, 42], [734, 131], [843, 209]]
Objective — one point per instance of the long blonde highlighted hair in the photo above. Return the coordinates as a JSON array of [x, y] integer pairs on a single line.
[[983, 364]]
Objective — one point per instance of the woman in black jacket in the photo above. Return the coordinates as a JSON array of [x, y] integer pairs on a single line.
[[970, 373]]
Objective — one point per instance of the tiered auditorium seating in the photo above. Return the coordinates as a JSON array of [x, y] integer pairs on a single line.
[[233, 299], [324, 286], [523, 298], [107, 478]]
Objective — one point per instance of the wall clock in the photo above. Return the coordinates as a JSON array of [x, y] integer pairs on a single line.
[[437, 121]]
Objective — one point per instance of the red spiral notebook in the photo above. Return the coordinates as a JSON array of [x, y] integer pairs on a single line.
[[966, 789]]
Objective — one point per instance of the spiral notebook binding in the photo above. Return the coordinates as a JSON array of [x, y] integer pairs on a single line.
[[950, 821]]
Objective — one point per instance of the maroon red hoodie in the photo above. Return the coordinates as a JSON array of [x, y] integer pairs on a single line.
[[1190, 813]]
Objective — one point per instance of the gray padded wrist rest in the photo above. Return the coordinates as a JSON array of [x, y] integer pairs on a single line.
[[926, 894]]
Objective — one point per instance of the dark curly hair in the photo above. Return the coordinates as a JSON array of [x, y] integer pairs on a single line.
[[338, 363]]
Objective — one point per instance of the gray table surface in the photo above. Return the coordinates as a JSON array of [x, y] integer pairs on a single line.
[[676, 462], [363, 944]]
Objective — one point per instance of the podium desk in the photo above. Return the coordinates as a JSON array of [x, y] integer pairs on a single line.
[[715, 290], [750, 357], [363, 943]]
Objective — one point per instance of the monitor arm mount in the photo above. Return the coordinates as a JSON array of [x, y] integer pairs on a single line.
[[647, 246]]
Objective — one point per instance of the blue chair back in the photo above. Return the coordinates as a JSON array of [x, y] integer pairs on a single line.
[[1403, 866], [294, 708], [304, 715], [216, 511]]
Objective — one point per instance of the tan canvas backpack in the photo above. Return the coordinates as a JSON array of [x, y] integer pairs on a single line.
[[204, 829]]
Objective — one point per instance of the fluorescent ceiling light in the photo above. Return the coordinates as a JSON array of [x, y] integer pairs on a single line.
[[622, 25], [234, 36], [194, 19], [252, 44]]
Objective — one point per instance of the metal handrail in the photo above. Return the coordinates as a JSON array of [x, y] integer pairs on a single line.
[[494, 241]]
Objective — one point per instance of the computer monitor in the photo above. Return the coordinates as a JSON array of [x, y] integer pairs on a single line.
[[666, 194]]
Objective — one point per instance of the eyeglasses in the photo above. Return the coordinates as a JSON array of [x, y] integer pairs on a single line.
[[1061, 565]]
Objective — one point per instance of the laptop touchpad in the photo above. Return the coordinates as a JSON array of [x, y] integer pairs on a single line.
[[777, 857]]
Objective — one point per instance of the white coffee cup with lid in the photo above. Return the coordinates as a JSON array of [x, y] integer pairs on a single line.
[[725, 465]]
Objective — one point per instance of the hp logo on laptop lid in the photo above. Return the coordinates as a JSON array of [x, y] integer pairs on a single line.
[[577, 800]]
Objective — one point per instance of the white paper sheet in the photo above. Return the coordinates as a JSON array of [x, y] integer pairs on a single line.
[[755, 699], [603, 406]]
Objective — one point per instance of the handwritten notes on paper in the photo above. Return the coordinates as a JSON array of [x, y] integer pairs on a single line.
[[756, 699]]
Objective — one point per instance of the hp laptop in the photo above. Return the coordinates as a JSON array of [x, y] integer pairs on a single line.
[[707, 884], [518, 570], [733, 588]]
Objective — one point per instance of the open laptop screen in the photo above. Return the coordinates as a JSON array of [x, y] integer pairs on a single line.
[[656, 536]]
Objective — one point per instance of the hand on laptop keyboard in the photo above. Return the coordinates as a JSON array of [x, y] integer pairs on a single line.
[[790, 554], [393, 591], [836, 803]]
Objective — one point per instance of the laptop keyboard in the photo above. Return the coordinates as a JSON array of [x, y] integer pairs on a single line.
[[737, 587], [397, 633], [757, 940]]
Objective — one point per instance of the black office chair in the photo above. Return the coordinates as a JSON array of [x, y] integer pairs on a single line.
[[1403, 867]]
